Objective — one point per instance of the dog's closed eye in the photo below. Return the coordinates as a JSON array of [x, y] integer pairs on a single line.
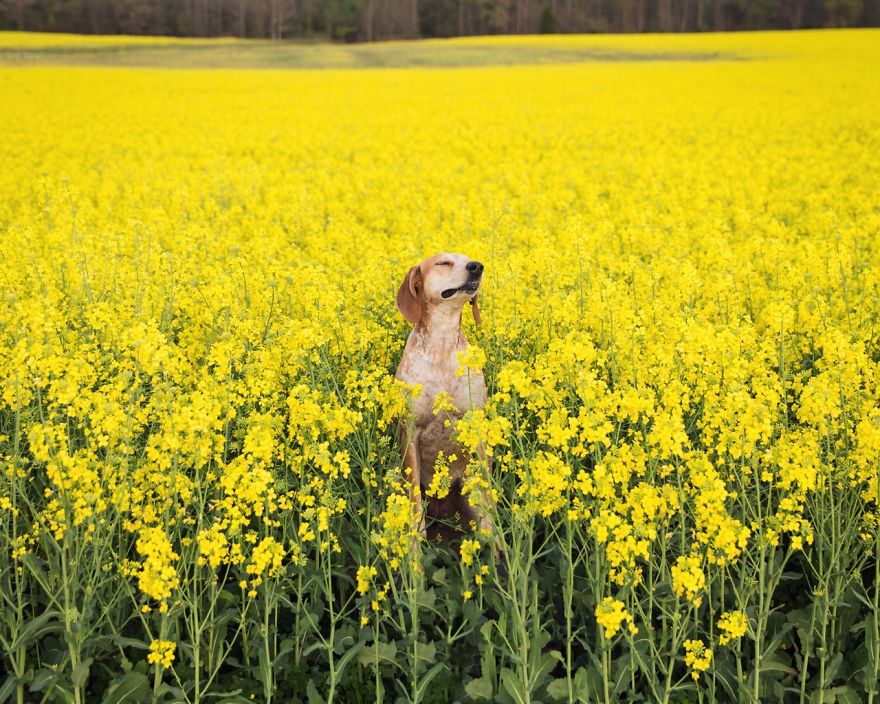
[[443, 264]]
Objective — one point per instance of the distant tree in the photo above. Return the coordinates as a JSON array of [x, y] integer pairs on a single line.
[[664, 15], [842, 13], [548, 21], [341, 18], [371, 20], [440, 18]]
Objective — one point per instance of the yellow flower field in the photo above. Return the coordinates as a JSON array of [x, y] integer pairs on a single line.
[[202, 493]]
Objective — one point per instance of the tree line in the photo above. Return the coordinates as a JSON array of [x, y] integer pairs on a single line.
[[370, 20]]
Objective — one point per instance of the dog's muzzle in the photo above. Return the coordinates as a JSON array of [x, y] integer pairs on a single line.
[[470, 287]]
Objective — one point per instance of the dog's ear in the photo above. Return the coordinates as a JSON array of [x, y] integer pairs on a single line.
[[408, 295], [475, 307]]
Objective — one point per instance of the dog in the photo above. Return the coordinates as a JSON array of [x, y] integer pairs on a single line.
[[432, 297]]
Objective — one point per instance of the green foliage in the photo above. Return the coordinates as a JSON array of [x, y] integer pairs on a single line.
[[548, 21]]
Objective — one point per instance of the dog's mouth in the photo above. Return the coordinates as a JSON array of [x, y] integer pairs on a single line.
[[468, 288]]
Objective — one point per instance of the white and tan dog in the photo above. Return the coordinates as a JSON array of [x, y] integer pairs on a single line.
[[432, 296]]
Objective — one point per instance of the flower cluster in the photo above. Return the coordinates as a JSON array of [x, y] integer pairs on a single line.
[[697, 657], [162, 653], [733, 625], [611, 614]]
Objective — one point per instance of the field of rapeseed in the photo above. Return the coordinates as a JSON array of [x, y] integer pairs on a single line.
[[201, 493]]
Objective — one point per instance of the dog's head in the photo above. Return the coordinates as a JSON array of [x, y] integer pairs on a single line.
[[442, 280]]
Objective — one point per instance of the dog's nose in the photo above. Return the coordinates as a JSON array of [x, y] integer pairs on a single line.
[[474, 267]]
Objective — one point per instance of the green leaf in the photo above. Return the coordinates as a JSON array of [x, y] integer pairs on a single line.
[[427, 652], [175, 692], [581, 686], [846, 695], [124, 642], [312, 693], [42, 678], [345, 659], [131, 687], [479, 689], [81, 673], [589, 682], [375, 653], [426, 598], [9, 686], [870, 626], [512, 685], [37, 628], [774, 665], [229, 697], [318, 645], [558, 689], [544, 666], [264, 671], [344, 642], [800, 618], [286, 647], [431, 674], [832, 667]]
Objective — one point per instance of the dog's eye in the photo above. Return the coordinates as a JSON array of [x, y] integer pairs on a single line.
[[443, 264]]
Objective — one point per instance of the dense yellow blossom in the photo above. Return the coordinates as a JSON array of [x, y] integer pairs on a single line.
[[397, 530], [158, 576], [198, 340], [266, 558], [688, 578], [471, 359], [441, 481]]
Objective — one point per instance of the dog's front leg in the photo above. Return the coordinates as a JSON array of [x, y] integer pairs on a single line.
[[412, 463]]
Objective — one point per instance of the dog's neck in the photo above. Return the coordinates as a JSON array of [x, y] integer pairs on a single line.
[[438, 332]]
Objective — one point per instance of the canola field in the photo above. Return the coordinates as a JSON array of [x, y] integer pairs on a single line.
[[201, 491]]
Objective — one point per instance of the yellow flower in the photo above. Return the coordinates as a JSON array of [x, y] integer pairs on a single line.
[[266, 557], [158, 575], [476, 430], [688, 579], [697, 656], [545, 483], [441, 481], [611, 614], [469, 549], [162, 653], [365, 574], [397, 532], [213, 547], [443, 403], [471, 359], [667, 435], [733, 625]]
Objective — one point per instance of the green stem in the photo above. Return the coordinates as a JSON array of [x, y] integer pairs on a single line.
[[875, 651], [569, 591]]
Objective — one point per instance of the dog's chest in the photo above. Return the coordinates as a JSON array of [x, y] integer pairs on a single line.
[[456, 394], [434, 370], [436, 374]]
